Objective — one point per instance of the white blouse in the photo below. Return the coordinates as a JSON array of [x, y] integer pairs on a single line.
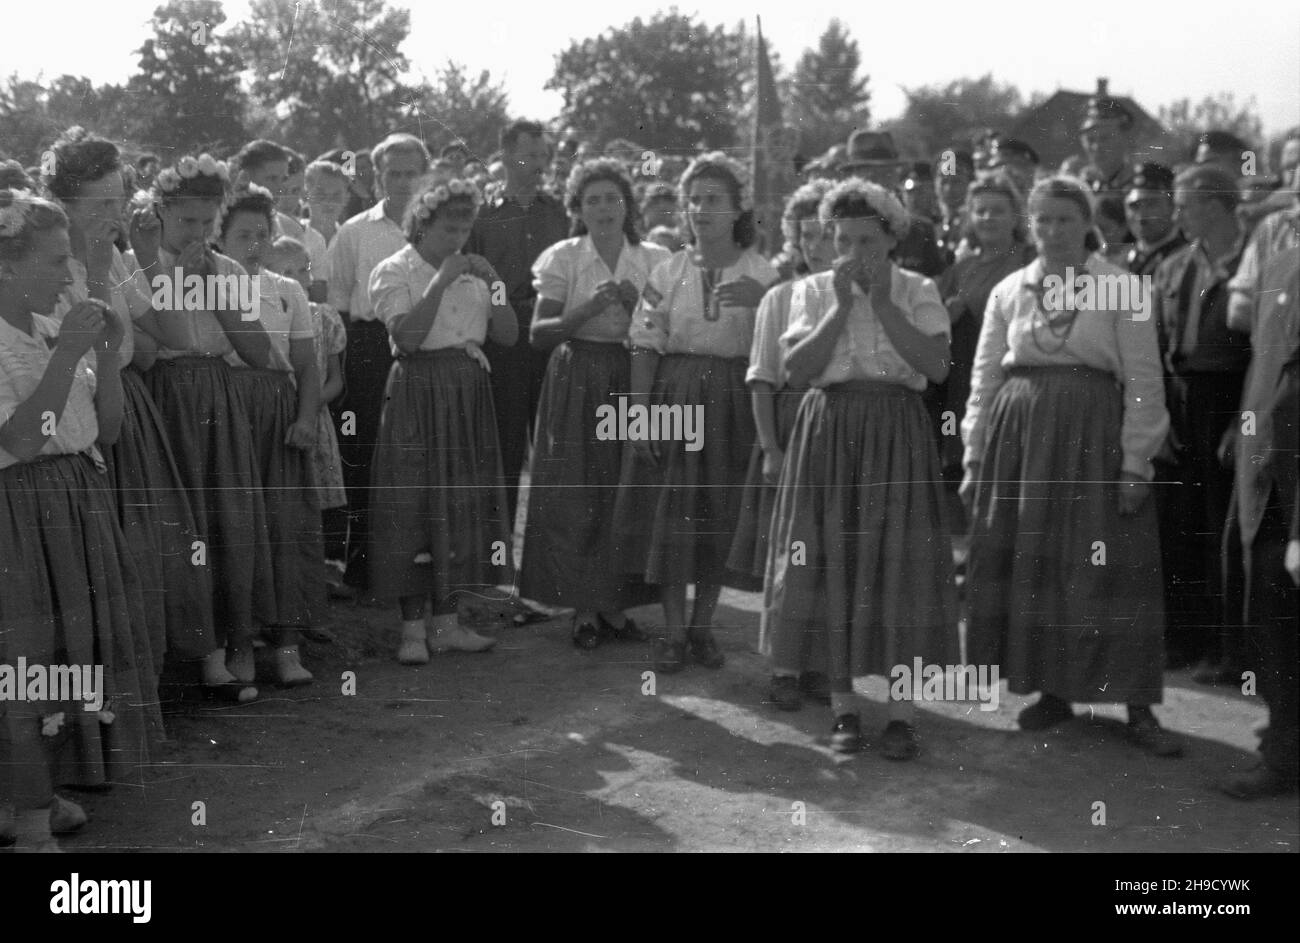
[[766, 357], [570, 270], [127, 289], [205, 336], [863, 351], [23, 361], [671, 317], [1120, 341], [285, 314], [399, 282]]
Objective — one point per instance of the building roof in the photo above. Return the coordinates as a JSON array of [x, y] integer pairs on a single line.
[[1053, 128]]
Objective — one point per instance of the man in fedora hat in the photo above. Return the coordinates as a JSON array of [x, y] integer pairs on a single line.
[[873, 157]]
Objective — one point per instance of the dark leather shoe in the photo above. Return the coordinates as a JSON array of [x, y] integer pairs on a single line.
[[630, 632], [669, 656], [784, 693], [705, 651], [1044, 714], [846, 735], [899, 741], [816, 686]]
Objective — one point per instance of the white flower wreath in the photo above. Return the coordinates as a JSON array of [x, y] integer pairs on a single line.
[[188, 167], [439, 195], [732, 166]]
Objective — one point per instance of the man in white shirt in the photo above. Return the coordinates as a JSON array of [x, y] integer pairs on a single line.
[[361, 243]]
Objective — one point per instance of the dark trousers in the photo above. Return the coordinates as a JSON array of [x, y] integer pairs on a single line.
[[1270, 637], [356, 413], [517, 374], [1192, 502]]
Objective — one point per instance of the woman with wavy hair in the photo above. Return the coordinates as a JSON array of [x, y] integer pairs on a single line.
[[587, 288], [679, 501]]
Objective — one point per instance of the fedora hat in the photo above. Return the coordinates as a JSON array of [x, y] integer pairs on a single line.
[[871, 149]]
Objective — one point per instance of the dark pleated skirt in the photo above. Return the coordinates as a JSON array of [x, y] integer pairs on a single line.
[[749, 549], [675, 523], [859, 523], [1042, 605], [569, 555], [437, 491], [71, 596], [292, 500], [160, 530], [207, 425]]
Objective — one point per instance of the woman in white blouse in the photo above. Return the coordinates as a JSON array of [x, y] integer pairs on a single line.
[[682, 479], [587, 288], [71, 594], [859, 519], [1066, 412], [152, 505], [438, 507]]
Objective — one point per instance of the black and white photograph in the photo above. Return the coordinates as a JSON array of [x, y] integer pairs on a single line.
[[624, 427]]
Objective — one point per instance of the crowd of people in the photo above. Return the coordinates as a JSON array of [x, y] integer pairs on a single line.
[[231, 389]]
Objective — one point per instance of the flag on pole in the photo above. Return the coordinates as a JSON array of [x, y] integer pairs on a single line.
[[768, 152]]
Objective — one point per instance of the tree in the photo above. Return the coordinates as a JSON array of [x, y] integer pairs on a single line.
[[828, 99], [1187, 121], [936, 116], [34, 113], [187, 88], [458, 108], [332, 72], [670, 83]]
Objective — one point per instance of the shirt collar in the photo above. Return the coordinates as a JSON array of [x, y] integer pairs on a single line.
[[376, 213], [1219, 267]]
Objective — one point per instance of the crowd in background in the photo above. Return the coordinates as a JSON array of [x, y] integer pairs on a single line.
[[897, 421]]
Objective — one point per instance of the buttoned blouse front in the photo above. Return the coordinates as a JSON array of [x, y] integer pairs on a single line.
[[569, 271], [24, 359], [399, 282], [671, 315], [863, 350]]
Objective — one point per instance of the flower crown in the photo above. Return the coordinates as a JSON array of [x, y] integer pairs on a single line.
[[738, 171], [14, 205], [881, 202], [429, 202], [187, 168]]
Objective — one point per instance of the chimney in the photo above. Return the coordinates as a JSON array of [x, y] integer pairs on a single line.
[[1102, 82]]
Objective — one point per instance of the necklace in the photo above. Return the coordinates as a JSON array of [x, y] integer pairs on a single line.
[[1059, 324]]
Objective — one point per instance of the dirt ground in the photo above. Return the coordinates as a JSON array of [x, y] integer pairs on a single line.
[[540, 747]]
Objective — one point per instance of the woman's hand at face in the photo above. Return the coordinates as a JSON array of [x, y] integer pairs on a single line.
[[145, 235], [83, 326]]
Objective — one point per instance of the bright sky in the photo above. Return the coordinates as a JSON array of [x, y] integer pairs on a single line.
[[1156, 52]]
